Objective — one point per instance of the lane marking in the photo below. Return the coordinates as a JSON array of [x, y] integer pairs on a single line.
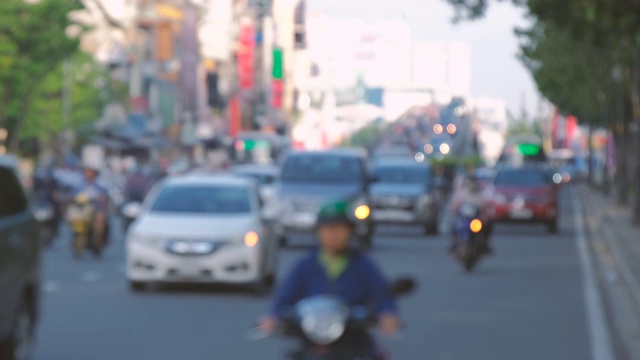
[[600, 335], [91, 276]]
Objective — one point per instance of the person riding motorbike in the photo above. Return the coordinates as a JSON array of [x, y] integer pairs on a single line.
[[137, 185], [99, 199], [470, 192], [338, 269]]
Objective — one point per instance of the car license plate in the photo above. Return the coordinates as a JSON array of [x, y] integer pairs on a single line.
[[521, 213], [305, 219], [392, 215]]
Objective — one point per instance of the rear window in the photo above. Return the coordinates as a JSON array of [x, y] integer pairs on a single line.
[[203, 200], [323, 168], [522, 177], [12, 198], [401, 175]]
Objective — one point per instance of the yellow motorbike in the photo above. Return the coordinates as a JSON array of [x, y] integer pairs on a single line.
[[80, 215]]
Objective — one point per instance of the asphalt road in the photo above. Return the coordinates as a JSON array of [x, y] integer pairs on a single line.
[[525, 302]]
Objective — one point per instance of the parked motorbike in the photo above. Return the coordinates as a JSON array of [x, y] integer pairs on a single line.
[[471, 236], [329, 330], [80, 215], [47, 218]]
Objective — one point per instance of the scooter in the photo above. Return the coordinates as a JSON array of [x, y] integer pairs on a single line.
[[471, 236], [80, 215], [327, 329], [46, 215]]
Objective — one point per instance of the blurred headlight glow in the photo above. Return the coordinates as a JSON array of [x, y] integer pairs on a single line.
[[419, 157], [251, 239], [557, 178], [362, 212], [451, 129], [428, 148], [475, 225], [437, 128], [444, 149]]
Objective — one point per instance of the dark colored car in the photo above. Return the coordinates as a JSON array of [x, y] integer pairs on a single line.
[[311, 178], [404, 193], [524, 194], [19, 265]]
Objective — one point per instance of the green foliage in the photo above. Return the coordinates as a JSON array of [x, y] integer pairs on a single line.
[[33, 41], [91, 90], [365, 137]]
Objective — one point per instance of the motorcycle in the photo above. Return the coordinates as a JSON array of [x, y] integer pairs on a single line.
[[46, 215], [130, 212], [80, 214], [471, 236], [329, 330]]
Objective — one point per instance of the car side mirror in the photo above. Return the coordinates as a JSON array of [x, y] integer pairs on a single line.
[[402, 286]]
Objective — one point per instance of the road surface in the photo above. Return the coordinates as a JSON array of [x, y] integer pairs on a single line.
[[525, 302]]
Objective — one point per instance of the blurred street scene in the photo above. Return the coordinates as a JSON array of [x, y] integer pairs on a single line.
[[311, 179]]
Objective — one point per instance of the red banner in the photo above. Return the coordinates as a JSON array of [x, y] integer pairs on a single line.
[[572, 124], [234, 117], [246, 49], [277, 88]]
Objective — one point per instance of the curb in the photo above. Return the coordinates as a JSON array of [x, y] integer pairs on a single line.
[[614, 276]]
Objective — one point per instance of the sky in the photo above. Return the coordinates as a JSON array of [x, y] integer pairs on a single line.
[[495, 69]]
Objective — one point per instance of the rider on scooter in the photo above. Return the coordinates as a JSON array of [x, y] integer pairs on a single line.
[[335, 267], [470, 192], [99, 198]]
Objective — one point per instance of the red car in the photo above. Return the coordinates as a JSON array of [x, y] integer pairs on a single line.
[[524, 194]]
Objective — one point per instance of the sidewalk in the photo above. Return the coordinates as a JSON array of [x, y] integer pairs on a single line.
[[615, 242]]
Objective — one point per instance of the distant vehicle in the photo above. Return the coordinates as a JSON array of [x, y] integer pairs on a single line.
[[311, 178], [568, 166], [485, 175], [265, 175], [525, 194], [393, 151], [438, 146], [259, 148], [471, 236], [201, 228], [19, 266], [403, 192]]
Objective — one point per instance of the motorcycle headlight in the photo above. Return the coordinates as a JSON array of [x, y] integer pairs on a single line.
[[146, 240], [322, 320]]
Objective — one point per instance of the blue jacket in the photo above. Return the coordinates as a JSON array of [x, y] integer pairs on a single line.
[[361, 283]]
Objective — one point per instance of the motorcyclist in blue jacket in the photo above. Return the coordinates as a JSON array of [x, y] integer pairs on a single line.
[[336, 268]]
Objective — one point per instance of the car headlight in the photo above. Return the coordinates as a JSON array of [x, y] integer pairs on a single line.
[[361, 209], [251, 239], [146, 240], [424, 200]]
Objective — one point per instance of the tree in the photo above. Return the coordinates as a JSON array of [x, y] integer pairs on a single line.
[[91, 89], [33, 42], [591, 26]]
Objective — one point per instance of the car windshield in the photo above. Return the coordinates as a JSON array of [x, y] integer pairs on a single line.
[[401, 175], [521, 177], [322, 168], [203, 199]]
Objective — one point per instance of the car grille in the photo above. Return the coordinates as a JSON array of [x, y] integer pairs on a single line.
[[306, 205], [193, 247], [388, 201]]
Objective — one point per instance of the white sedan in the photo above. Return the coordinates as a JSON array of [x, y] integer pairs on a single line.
[[201, 228]]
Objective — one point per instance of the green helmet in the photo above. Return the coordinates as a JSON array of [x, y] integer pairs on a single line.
[[335, 212]]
